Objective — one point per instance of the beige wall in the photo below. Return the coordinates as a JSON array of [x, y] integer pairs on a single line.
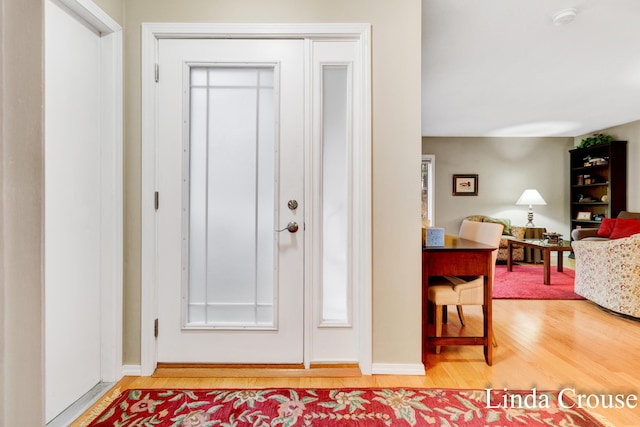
[[629, 132], [21, 208], [114, 8], [506, 167], [396, 35]]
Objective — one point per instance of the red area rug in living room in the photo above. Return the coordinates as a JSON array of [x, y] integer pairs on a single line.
[[342, 407], [527, 282]]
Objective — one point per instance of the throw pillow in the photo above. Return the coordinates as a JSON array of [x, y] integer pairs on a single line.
[[606, 227], [518, 232], [625, 228], [506, 223], [476, 218]]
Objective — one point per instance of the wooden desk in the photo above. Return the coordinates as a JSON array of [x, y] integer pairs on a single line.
[[459, 257]]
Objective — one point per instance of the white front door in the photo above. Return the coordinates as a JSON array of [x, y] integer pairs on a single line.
[[230, 173]]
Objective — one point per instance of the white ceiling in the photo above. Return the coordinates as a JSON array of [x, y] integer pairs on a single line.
[[502, 68]]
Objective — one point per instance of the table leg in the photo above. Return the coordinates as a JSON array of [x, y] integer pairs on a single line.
[[560, 259], [547, 266], [488, 345], [488, 314], [509, 258], [427, 309]]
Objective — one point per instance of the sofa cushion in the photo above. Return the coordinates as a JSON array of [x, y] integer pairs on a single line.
[[476, 218], [606, 227], [506, 224], [625, 227], [595, 239], [518, 232], [628, 214]]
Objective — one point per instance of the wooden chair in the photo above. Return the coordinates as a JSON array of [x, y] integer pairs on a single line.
[[459, 291]]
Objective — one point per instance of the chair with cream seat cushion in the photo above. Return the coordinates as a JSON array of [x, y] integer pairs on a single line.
[[459, 291]]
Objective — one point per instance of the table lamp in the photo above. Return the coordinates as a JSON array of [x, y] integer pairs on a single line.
[[530, 197]]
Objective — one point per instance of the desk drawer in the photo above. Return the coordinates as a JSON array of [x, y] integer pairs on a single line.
[[456, 263]]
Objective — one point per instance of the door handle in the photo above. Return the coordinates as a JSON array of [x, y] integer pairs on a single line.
[[292, 227]]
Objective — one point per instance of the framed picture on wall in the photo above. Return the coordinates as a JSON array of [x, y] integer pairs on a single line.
[[465, 185]]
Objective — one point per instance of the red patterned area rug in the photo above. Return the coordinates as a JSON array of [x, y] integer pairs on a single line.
[[343, 407], [527, 282]]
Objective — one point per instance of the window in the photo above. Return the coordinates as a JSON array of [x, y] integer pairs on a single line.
[[427, 177]]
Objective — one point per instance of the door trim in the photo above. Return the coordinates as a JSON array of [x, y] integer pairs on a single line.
[[361, 250]]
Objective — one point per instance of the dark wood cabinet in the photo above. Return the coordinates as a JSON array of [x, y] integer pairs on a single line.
[[598, 183]]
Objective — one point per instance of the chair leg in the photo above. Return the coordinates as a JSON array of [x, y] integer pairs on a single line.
[[438, 321], [460, 314]]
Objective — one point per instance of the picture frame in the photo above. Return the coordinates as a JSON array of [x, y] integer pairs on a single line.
[[584, 216], [465, 185]]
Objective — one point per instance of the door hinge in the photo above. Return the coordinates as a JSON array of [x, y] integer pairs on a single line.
[[155, 328], [157, 73], [156, 200]]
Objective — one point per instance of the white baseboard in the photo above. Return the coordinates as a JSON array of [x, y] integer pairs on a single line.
[[398, 369], [376, 368], [132, 370], [80, 406]]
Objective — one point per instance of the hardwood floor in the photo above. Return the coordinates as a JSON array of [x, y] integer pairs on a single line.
[[550, 345]]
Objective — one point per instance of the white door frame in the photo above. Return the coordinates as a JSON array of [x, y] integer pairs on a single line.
[[111, 191], [361, 250]]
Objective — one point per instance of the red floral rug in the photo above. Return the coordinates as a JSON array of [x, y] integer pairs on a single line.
[[344, 407], [527, 282]]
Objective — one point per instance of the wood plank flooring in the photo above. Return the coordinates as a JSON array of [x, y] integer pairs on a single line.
[[549, 345]]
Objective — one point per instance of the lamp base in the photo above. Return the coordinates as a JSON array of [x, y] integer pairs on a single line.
[[530, 218]]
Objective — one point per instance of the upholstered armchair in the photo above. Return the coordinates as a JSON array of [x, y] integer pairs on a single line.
[[608, 273]]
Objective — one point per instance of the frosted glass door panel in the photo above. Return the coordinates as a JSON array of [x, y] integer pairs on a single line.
[[231, 178], [335, 197]]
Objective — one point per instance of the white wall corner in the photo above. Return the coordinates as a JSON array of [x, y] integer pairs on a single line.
[[398, 369]]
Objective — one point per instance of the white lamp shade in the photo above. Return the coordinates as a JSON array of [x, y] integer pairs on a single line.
[[531, 197]]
